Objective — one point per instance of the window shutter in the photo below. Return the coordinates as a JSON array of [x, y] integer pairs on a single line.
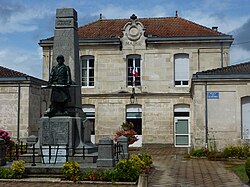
[[181, 67]]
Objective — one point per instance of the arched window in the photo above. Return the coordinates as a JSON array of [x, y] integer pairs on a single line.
[[181, 69], [134, 115], [134, 70], [245, 108], [87, 66]]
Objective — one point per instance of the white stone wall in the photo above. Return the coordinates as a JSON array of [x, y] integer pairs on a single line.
[[224, 113], [30, 109]]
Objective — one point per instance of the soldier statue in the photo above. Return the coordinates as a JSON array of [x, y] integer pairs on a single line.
[[59, 81]]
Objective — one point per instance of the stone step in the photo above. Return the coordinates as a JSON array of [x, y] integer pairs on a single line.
[[86, 158]]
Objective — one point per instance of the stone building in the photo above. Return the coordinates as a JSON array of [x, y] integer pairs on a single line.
[[221, 106], [141, 70], [22, 103]]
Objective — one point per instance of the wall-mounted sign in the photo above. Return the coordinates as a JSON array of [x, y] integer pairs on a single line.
[[213, 95]]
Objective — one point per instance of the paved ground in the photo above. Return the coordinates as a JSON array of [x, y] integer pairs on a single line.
[[171, 169]]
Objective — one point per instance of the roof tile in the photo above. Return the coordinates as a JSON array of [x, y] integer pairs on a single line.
[[243, 68], [158, 27], [5, 72]]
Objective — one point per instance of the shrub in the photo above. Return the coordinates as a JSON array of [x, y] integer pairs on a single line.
[[18, 169], [236, 151], [92, 175], [71, 170], [109, 175], [247, 167], [146, 158], [127, 170], [203, 152], [5, 173]]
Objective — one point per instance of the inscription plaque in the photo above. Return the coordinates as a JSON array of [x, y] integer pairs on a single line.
[[55, 133]]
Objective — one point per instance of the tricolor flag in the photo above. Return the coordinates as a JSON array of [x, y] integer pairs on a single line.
[[135, 72]]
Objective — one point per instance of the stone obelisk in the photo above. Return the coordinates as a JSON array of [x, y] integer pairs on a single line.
[[66, 44]]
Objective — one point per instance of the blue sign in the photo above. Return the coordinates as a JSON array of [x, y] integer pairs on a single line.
[[213, 95]]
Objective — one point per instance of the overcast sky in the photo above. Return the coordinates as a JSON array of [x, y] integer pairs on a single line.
[[24, 22]]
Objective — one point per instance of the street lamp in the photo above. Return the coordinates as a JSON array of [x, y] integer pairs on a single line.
[[132, 97]]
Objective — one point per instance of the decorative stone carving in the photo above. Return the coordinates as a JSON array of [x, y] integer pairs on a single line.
[[133, 35]]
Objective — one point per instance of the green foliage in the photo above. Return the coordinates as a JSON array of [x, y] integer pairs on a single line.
[[146, 158], [92, 175], [203, 152], [240, 171], [18, 169], [237, 151], [5, 173], [109, 175], [247, 168], [71, 170], [213, 155], [127, 170]]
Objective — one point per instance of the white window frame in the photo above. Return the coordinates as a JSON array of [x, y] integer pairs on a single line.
[[134, 57], [135, 109], [87, 58], [182, 81], [182, 108]]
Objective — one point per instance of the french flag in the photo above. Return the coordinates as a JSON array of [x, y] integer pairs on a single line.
[[135, 72]]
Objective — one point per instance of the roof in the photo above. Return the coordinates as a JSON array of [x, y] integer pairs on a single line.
[[156, 27], [234, 71], [165, 27], [5, 72], [9, 75]]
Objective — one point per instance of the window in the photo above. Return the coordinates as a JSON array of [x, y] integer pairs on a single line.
[[87, 70], [181, 69], [245, 109], [133, 114], [134, 70], [89, 111]]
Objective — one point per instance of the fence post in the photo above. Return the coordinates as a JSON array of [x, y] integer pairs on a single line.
[[122, 140], [106, 157], [2, 153]]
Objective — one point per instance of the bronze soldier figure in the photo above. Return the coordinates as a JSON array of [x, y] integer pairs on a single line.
[[59, 80]]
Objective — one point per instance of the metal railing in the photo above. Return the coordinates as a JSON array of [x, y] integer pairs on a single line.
[[119, 152]]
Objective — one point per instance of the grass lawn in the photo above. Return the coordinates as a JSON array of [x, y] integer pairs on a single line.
[[238, 167], [240, 171]]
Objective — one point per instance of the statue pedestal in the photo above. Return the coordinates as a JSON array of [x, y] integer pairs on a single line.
[[72, 134]]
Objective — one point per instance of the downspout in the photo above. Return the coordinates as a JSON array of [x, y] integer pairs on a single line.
[[49, 59], [221, 53], [198, 60], [18, 112], [206, 117]]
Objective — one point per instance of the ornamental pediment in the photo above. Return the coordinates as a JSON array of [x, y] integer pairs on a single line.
[[133, 34]]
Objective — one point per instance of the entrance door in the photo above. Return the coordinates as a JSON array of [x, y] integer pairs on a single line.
[[181, 132]]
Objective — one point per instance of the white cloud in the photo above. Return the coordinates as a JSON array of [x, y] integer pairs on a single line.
[[225, 24], [22, 19], [239, 55], [28, 62]]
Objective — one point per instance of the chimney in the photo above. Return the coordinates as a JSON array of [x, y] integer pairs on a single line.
[[215, 28], [176, 13]]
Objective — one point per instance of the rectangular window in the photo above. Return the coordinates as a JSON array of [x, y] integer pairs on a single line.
[[134, 70], [88, 71], [181, 69]]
